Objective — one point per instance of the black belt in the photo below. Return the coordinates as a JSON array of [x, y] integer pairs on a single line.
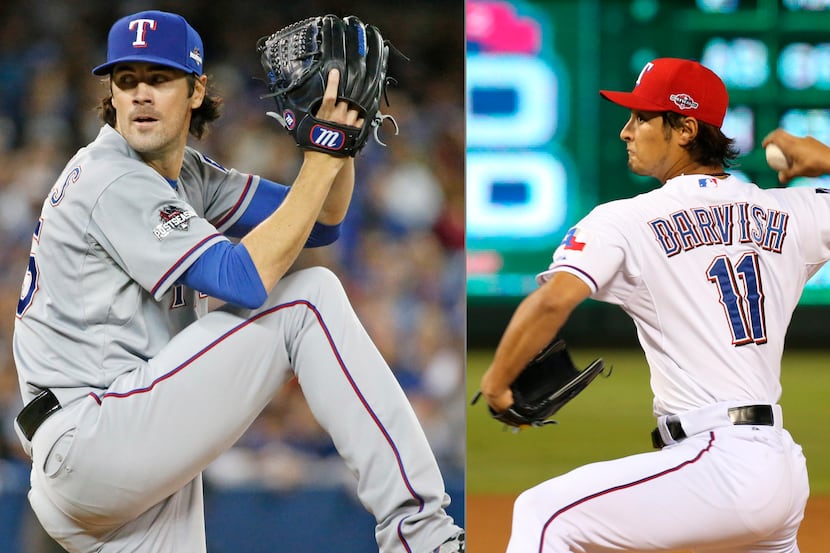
[[38, 410], [756, 415]]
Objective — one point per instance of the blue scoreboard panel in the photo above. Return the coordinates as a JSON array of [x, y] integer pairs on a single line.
[[543, 148]]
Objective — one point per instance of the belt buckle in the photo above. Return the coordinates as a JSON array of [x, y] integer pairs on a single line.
[[753, 415]]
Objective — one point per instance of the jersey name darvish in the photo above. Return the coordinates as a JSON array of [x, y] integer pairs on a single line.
[[710, 269]]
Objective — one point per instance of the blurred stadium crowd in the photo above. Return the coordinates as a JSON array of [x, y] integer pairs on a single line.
[[401, 255]]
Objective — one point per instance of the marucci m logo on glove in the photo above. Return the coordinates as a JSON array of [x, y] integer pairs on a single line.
[[289, 119], [328, 138]]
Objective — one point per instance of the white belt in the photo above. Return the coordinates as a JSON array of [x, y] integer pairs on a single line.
[[674, 428]]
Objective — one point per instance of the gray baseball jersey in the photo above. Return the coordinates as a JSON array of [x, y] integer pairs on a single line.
[[100, 291], [153, 387]]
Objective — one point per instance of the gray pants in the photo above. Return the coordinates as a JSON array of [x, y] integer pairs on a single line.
[[122, 472]]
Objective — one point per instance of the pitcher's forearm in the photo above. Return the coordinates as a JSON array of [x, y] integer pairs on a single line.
[[275, 243], [340, 196]]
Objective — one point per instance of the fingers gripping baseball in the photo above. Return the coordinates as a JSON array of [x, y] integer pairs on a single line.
[[803, 156]]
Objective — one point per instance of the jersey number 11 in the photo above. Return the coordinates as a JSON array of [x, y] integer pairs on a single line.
[[744, 305]]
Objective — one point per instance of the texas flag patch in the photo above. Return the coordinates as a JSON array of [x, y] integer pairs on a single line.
[[574, 241]]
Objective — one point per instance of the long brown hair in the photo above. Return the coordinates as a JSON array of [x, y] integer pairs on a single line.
[[710, 146], [209, 111]]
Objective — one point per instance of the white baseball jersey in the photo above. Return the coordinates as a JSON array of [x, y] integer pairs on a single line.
[[710, 270], [128, 232]]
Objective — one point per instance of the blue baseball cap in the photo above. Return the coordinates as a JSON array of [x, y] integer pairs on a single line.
[[154, 37]]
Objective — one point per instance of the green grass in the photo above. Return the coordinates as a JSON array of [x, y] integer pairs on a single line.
[[613, 418]]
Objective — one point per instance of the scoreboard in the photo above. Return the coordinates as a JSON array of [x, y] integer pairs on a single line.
[[543, 148]]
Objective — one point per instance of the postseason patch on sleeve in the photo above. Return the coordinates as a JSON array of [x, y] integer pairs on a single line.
[[172, 218]]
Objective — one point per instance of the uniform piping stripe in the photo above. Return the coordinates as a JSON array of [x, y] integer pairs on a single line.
[[580, 271], [181, 260], [578, 502], [340, 362], [235, 208]]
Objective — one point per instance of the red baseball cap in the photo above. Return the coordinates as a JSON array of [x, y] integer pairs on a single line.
[[682, 86]]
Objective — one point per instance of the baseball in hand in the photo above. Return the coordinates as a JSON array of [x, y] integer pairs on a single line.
[[776, 158]]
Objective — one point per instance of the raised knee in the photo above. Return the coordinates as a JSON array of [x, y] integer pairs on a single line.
[[315, 282], [323, 289], [320, 275]]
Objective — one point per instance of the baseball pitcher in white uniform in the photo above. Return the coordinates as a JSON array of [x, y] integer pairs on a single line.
[[710, 269], [132, 386]]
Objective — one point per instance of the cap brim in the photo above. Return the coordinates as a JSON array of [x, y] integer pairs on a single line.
[[631, 101], [106, 68]]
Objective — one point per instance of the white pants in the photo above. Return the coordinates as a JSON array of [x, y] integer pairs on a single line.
[[733, 488], [122, 472]]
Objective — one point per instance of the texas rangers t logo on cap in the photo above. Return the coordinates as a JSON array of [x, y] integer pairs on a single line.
[[154, 37], [141, 25], [326, 137], [646, 68]]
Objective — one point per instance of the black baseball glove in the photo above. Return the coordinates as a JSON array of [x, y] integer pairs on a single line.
[[297, 60], [545, 385]]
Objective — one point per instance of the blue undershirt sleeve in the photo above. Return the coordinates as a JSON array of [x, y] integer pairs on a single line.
[[267, 198], [322, 235], [227, 272]]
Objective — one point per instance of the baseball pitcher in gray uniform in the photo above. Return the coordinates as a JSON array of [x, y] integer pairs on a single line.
[[132, 386]]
